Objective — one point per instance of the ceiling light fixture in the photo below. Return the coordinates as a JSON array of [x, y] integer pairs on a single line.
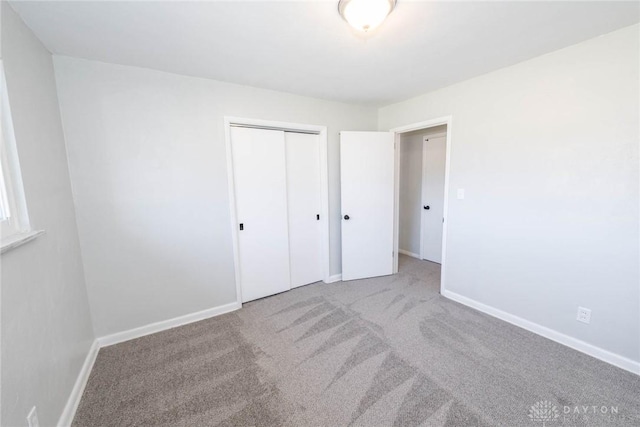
[[365, 15]]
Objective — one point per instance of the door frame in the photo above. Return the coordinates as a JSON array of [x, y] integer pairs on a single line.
[[398, 131], [423, 179], [321, 131]]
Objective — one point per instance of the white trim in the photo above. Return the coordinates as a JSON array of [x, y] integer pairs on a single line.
[[324, 202], [396, 201], [19, 239], [423, 125], [70, 408], [411, 254], [574, 343], [152, 328], [446, 120], [324, 190], [12, 187], [435, 135], [333, 279]]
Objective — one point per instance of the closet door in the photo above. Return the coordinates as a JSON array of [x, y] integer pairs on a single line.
[[259, 168], [303, 192]]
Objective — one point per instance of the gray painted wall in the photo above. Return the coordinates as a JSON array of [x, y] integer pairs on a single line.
[[46, 326], [148, 164], [547, 151]]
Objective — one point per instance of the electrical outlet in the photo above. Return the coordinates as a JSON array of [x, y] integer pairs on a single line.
[[32, 418], [460, 193], [584, 315]]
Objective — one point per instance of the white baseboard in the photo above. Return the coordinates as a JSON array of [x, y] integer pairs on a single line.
[[334, 278], [152, 328], [574, 343], [411, 254], [70, 408]]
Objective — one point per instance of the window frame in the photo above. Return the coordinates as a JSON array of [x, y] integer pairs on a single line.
[[15, 228]]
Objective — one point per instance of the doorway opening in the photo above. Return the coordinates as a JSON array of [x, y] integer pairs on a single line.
[[421, 188]]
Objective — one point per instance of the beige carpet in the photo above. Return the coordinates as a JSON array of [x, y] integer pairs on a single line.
[[388, 351]]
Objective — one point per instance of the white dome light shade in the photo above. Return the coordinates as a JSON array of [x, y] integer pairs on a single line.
[[365, 15]]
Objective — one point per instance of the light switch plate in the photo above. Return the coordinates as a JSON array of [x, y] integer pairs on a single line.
[[460, 193]]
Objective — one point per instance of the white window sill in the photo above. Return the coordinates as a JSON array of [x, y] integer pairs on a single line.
[[19, 239]]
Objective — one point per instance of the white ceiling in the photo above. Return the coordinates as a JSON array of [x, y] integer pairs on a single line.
[[305, 47]]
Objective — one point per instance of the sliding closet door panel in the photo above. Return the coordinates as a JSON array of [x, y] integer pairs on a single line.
[[261, 205], [303, 193]]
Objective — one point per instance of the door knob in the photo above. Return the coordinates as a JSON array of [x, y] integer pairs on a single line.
[[427, 207], [346, 217]]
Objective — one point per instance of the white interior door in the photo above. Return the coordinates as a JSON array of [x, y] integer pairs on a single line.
[[304, 192], [367, 181], [259, 166], [434, 159]]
